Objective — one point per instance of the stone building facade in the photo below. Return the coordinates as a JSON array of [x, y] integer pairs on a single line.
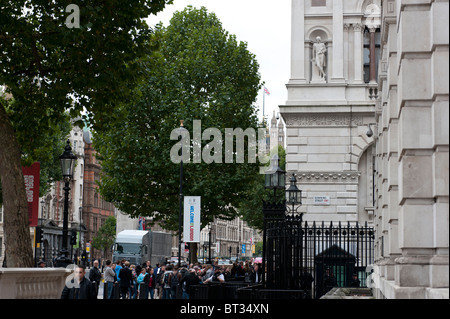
[[412, 159], [377, 67], [327, 117]]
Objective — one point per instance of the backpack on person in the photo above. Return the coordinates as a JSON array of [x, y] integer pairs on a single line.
[[166, 279], [174, 280]]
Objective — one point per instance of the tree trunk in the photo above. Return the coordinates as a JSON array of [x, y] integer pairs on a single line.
[[193, 248], [18, 246]]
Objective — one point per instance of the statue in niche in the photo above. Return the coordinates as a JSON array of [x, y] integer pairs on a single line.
[[319, 61]]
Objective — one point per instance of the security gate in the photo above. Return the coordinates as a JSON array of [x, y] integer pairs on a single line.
[[315, 258]]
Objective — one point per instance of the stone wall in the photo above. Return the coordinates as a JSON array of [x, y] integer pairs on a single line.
[[412, 213], [32, 283]]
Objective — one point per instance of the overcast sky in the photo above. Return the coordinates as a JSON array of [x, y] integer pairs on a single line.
[[265, 26]]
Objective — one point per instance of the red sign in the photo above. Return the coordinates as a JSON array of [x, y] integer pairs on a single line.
[[31, 177]]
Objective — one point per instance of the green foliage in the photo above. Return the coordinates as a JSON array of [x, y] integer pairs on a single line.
[[87, 68], [52, 70], [251, 208], [200, 73], [106, 235]]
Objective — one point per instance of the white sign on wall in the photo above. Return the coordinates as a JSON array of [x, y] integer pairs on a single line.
[[191, 229], [321, 200]]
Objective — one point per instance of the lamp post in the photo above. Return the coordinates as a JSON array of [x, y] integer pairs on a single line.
[[293, 195], [275, 177], [67, 164], [180, 214]]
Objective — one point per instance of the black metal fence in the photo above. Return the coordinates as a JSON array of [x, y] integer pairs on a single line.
[[215, 291], [301, 256]]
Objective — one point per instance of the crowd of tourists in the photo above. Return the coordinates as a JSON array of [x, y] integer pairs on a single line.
[[123, 280]]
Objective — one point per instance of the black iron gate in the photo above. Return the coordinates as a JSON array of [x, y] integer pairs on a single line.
[[315, 258]]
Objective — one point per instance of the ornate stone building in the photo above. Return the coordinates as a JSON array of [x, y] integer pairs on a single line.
[[367, 131], [328, 112]]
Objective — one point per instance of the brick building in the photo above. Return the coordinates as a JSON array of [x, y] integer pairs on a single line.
[[95, 209]]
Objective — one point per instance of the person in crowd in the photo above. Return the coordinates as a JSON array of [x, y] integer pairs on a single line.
[[355, 281], [166, 285], [126, 280], [79, 287], [151, 283], [134, 287], [142, 282], [191, 279], [95, 276], [174, 280], [216, 277], [110, 275], [159, 282]]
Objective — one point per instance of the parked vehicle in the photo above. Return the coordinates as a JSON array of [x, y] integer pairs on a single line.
[[138, 246]]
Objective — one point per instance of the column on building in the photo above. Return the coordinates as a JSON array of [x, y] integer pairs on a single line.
[[298, 42], [338, 41], [358, 53]]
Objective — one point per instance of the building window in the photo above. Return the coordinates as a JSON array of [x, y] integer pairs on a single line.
[[368, 59], [318, 3]]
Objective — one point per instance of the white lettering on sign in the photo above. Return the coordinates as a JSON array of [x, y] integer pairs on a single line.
[[29, 185]]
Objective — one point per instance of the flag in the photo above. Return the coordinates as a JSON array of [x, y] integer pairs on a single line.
[[266, 91], [141, 225]]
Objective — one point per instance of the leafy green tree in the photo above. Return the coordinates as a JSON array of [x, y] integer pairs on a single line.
[[201, 72], [106, 236], [50, 69]]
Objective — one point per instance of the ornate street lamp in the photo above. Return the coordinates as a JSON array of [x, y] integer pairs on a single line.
[[275, 177], [67, 164], [293, 194]]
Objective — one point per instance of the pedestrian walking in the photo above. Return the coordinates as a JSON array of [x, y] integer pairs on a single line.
[[151, 283], [174, 280], [126, 280], [142, 282], [95, 276], [110, 275], [134, 287], [166, 285], [79, 287], [160, 281]]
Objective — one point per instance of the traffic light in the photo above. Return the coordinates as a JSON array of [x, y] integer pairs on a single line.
[[73, 239], [39, 235]]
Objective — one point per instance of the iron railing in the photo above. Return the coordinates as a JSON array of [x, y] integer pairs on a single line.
[[314, 258]]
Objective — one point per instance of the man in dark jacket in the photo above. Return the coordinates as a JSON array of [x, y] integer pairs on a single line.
[[79, 287], [95, 276], [126, 280], [187, 281]]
